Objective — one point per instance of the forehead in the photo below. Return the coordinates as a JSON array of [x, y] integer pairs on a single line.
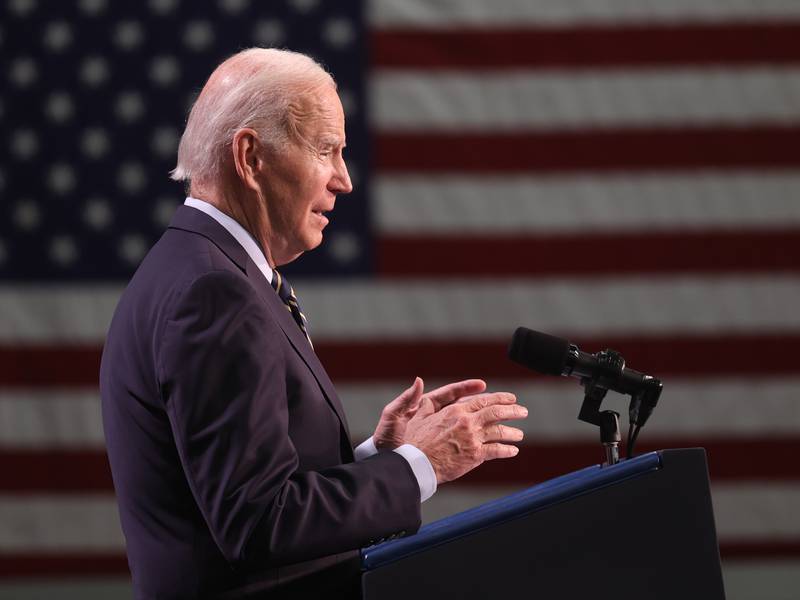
[[324, 117]]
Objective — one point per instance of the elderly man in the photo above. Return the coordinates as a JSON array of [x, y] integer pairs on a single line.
[[229, 448]]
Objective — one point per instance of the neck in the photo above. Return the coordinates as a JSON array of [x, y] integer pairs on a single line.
[[250, 214]]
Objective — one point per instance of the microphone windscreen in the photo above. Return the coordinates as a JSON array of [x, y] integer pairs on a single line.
[[535, 350]]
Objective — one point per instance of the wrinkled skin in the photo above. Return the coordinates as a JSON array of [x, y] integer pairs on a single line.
[[456, 426]]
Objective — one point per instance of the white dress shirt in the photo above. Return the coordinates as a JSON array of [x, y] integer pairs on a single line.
[[419, 463]]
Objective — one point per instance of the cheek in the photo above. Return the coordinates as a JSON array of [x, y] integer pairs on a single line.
[[312, 190]]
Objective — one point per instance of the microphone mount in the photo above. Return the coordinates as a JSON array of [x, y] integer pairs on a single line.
[[644, 397]]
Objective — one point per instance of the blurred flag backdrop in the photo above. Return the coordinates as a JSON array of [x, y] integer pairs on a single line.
[[625, 174]]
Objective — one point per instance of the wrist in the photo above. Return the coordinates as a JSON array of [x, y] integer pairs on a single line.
[[386, 439], [384, 445]]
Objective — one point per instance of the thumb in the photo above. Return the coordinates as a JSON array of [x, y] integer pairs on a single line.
[[410, 399]]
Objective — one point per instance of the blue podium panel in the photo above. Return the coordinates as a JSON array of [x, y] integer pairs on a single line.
[[508, 508], [643, 528]]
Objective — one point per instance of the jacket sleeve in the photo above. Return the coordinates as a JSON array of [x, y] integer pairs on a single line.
[[221, 371]]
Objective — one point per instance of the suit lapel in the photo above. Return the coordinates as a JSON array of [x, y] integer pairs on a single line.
[[196, 221], [297, 339]]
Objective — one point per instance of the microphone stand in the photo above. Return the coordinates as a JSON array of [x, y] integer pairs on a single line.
[[641, 405], [610, 436]]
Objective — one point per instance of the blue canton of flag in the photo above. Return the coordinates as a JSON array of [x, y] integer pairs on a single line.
[[93, 108]]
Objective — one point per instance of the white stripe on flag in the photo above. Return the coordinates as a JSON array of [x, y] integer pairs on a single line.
[[757, 510], [50, 419], [59, 523], [460, 309], [706, 409], [561, 100], [689, 409], [419, 14], [474, 309], [744, 512], [56, 313], [589, 202], [763, 579]]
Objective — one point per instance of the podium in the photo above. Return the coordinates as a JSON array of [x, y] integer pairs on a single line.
[[643, 528]]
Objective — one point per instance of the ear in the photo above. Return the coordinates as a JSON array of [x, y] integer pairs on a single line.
[[247, 157]]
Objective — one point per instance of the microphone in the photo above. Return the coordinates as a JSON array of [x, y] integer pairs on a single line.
[[552, 355]]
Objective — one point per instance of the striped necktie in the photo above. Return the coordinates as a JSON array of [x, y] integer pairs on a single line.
[[286, 294]]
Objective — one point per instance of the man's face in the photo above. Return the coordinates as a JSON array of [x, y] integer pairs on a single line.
[[300, 181]]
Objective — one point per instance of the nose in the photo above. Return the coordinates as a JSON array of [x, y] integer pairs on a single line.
[[340, 182]]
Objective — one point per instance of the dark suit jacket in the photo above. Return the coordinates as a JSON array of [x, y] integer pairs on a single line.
[[228, 445]]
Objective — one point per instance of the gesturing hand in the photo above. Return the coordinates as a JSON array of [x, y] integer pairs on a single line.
[[461, 436], [401, 418]]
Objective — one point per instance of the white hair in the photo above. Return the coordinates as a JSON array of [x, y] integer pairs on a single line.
[[257, 88]]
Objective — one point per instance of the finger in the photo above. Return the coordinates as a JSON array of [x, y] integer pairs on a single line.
[[410, 399], [447, 394], [502, 433], [482, 401], [492, 451], [408, 402], [501, 412]]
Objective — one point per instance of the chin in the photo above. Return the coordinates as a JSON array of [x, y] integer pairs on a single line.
[[312, 240]]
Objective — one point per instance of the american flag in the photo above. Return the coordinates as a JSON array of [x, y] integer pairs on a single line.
[[622, 173]]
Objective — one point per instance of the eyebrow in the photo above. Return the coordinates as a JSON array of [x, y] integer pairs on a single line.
[[332, 140]]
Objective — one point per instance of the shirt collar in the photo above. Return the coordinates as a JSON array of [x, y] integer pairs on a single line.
[[239, 233]]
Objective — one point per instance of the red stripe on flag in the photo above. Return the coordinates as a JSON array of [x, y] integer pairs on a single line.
[[597, 150], [66, 565], [591, 46], [59, 470], [741, 355], [354, 361], [755, 550], [48, 366], [647, 252], [732, 459]]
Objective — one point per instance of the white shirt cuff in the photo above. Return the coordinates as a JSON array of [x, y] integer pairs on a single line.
[[365, 449], [419, 463], [422, 468]]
